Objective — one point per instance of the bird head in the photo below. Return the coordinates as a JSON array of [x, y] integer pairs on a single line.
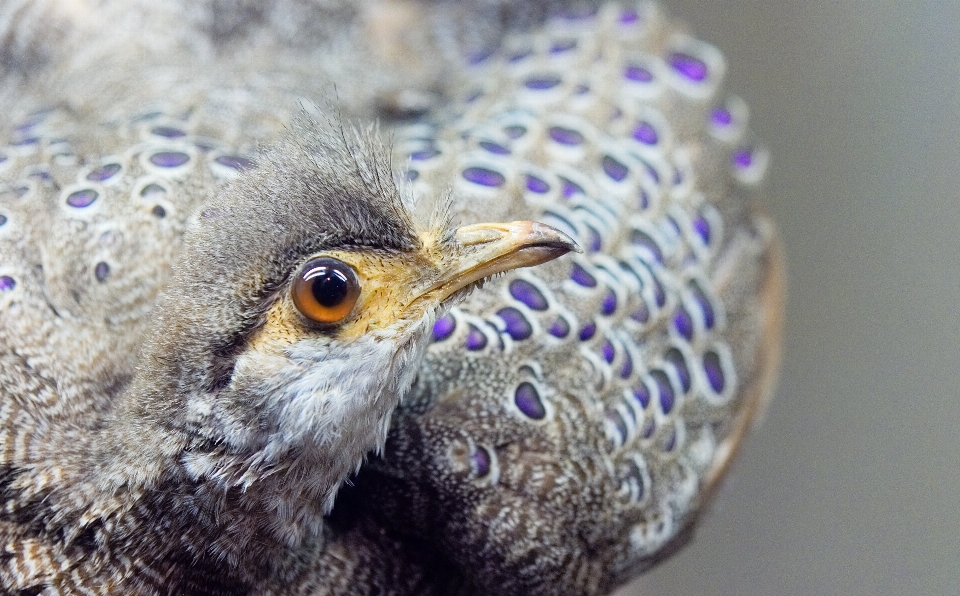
[[300, 308]]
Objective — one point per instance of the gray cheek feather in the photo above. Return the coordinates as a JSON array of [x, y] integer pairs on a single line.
[[319, 408]]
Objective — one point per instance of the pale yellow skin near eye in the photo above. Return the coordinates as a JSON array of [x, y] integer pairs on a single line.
[[391, 288], [398, 288]]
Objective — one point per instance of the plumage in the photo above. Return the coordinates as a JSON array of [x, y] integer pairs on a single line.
[[163, 424], [614, 386]]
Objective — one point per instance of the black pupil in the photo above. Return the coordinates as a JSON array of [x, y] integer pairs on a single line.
[[329, 286]]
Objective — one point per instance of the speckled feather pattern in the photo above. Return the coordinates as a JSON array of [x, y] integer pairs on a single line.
[[567, 424], [579, 407]]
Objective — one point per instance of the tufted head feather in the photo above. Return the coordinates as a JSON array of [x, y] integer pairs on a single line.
[[319, 188]]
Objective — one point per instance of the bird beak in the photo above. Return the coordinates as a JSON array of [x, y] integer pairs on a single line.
[[491, 248]]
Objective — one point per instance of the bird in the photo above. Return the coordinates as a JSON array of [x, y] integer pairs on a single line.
[[218, 295]]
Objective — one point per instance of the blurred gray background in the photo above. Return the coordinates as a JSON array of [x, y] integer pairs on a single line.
[[852, 485]]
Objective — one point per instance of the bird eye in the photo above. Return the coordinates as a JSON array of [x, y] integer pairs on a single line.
[[326, 290]]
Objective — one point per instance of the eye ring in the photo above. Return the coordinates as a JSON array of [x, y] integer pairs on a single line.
[[325, 290]]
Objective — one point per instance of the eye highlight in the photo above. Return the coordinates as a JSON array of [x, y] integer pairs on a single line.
[[326, 290]]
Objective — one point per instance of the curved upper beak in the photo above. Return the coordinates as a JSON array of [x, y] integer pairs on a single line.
[[490, 248]]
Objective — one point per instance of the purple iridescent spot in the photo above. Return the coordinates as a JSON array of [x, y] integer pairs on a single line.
[[541, 83], [641, 394], [517, 325], [714, 370], [644, 199], [664, 390], [608, 351], [677, 176], [617, 420], [3, 157], [104, 172], [565, 136], [235, 162], [721, 117], [528, 293], [702, 227], [615, 169], [474, 96], [683, 323], [537, 185], [706, 307], [169, 159], [742, 158], [588, 331], [571, 188], [582, 277], [412, 175], [515, 131], [158, 211], [594, 242], [563, 45], [673, 230], [476, 340], [168, 132], [7, 283], [444, 327], [484, 176], [638, 74], [205, 145], [671, 441], [648, 427], [23, 142], [628, 17], [652, 171], [688, 66], [528, 401], [640, 238], [627, 369], [494, 148], [609, 305], [41, 175], [3, 220], [560, 328], [518, 56], [424, 154], [479, 57], [581, 89], [101, 271], [82, 198], [645, 133], [659, 294], [675, 357], [480, 461], [642, 314]]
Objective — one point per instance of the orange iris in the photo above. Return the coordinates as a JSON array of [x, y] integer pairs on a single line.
[[326, 290]]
